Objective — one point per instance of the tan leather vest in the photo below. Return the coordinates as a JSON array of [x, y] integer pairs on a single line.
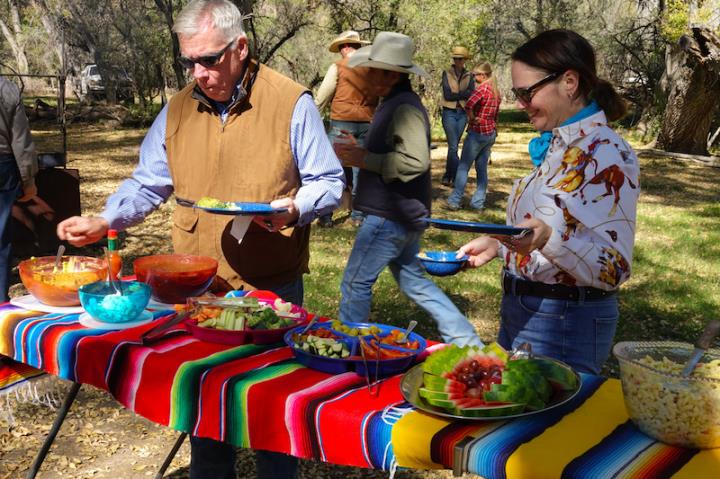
[[456, 85], [353, 99], [246, 159]]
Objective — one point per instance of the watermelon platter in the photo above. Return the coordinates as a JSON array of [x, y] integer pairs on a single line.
[[488, 384]]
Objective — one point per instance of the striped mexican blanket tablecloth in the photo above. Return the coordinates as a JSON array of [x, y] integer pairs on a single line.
[[589, 437], [259, 397], [252, 396]]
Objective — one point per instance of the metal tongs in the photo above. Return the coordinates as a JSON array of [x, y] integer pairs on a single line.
[[523, 351], [159, 329]]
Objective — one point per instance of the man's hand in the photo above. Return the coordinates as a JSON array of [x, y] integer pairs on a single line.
[[350, 154], [480, 251], [279, 221], [79, 230]]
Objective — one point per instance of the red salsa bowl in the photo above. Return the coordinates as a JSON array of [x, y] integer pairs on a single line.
[[175, 277]]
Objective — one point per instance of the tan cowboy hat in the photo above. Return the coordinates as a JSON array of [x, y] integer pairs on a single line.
[[350, 36], [459, 52], [389, 51]]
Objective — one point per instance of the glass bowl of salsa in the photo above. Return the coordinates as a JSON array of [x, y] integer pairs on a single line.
[[175, 277]]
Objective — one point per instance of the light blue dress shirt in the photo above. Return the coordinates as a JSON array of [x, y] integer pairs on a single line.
[[321, 175]]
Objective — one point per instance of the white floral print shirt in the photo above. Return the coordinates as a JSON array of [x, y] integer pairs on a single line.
[[586, 190]]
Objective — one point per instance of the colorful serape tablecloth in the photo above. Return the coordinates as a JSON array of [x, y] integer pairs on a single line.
[[260, 397]]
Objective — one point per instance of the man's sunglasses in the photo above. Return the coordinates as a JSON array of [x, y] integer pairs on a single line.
[[208, 61], [525, 94]]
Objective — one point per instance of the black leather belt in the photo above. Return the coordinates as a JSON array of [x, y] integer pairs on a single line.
[[521, 287]]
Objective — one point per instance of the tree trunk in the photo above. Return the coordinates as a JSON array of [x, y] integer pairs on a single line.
[[167, 9], [693, 71], [14, 36]]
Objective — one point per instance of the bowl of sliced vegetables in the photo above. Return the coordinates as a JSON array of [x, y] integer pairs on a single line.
[[368, 349], [243, 320]]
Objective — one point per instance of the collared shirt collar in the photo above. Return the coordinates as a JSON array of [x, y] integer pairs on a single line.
[[242, 88], [582, 127]]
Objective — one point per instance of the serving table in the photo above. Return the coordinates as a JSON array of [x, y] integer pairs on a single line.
[[260, 397]]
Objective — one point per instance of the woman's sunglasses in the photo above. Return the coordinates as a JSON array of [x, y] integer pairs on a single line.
[[208, 61], [525, 94]]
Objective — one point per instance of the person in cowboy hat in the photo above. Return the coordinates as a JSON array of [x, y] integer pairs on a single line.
[[394, 191], [457, 86], [352, 105]]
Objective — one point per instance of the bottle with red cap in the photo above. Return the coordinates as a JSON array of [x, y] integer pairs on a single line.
[[115, 260]]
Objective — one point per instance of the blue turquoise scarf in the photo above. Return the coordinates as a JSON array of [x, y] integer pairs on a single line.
[[538, 146]]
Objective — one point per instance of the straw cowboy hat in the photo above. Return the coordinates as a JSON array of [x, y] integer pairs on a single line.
[[459, 52], [390, 51], [348, 37]]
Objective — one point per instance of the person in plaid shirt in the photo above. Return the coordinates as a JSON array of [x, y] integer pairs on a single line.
[[482, 111]]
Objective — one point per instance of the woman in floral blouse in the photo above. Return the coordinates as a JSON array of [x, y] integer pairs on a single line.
[[560, 281]]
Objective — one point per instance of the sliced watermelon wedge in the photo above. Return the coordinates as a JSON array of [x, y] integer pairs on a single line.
[[433, 382]]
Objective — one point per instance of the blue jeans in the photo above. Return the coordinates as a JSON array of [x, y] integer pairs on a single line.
[[380, 242], [9, 190], [211, 459], [579, 333], [453, 122], [476, 149], [359, 130]]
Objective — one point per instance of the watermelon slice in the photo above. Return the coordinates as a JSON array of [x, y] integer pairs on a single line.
[[559, 377], [531, 373], [433, 382], [445, 359]]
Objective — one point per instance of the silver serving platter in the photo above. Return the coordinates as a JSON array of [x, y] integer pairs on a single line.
[[413, 380]]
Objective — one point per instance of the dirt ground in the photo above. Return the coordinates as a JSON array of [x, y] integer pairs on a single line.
[[99, 438]]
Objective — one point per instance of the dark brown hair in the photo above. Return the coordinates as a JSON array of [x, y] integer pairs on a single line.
[[557, 51]]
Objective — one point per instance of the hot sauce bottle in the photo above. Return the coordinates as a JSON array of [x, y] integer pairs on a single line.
[[115, 260]]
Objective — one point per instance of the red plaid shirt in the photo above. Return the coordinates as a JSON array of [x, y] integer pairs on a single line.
[[485, 106]]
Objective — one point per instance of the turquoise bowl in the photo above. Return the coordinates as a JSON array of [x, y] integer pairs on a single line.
[[101, 302]]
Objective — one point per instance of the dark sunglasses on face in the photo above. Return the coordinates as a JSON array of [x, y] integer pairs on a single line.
[[525, 94], [208, 61]]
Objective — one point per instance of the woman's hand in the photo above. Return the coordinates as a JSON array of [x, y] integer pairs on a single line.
[[536, 239], [480, 251]]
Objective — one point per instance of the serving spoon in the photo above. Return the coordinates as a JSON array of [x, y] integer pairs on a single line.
[[117, 287], [404, 338], [704, 342], [58, 257]]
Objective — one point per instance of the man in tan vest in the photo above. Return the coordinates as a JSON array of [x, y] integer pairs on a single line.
[[352, 104], [457, 86], [239, 132]]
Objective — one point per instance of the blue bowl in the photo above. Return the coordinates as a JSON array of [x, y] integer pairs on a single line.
[[101, 302], [370, 368], [441, 263]]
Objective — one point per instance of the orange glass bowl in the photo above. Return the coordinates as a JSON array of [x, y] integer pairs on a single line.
[[60, 288], [175, 277]]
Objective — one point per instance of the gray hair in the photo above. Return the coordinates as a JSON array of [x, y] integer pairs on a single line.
[[223, 15]]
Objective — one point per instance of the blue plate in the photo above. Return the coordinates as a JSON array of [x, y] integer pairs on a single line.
[[244, 209], [486, 228]]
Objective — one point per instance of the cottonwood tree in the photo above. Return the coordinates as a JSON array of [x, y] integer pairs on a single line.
[[693, 71]]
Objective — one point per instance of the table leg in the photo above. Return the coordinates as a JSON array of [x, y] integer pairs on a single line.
[[59, 418], [460, 456], [171, 455]]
